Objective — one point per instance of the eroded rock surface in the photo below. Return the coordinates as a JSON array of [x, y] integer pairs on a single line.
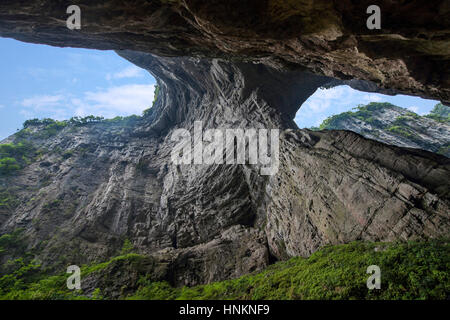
[[98, 184], [211, 222], [396, 126], [410, 54]]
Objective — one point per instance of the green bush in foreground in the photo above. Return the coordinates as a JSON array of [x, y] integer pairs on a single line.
[[416, 270], [413, 270]]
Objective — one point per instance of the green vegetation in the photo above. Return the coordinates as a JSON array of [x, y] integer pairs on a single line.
[[52, 205], [125, 121], [11, 241], [27, 282], [8, 165], [412, 115], [363, 113], [49, 127], [14, 157], [399, 130], [129, 257], [50, 124], [127, 247], [331, 123], [412, 270], [444, 150], [12, 244], [37, 122], [155, 95], [7, 199], [440, 113], [15, 150], [402, 126], [146, 112]]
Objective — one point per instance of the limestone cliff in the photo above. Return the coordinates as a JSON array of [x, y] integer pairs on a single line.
[[397, 126]]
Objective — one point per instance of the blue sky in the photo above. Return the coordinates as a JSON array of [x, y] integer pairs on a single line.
[[39, 81], [326, 102]]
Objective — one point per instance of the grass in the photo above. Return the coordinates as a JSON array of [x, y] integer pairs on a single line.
[[86, 270], [412, 270]]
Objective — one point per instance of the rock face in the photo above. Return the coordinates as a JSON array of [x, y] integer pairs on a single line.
[[396, 126], [409, 54], [98, 184], [212, 222], [337, 187]]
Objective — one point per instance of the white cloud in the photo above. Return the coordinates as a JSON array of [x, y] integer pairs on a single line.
[[316, 105], [45, 105], [414, 109], [44, 73], [42, 101], [119, 100], [319, 121], [26, 113], [323, 99], [332, 93], [326, 102], [371, 98], [129, 72]]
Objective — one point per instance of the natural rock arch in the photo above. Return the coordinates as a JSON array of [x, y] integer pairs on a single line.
[[207, 223]]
